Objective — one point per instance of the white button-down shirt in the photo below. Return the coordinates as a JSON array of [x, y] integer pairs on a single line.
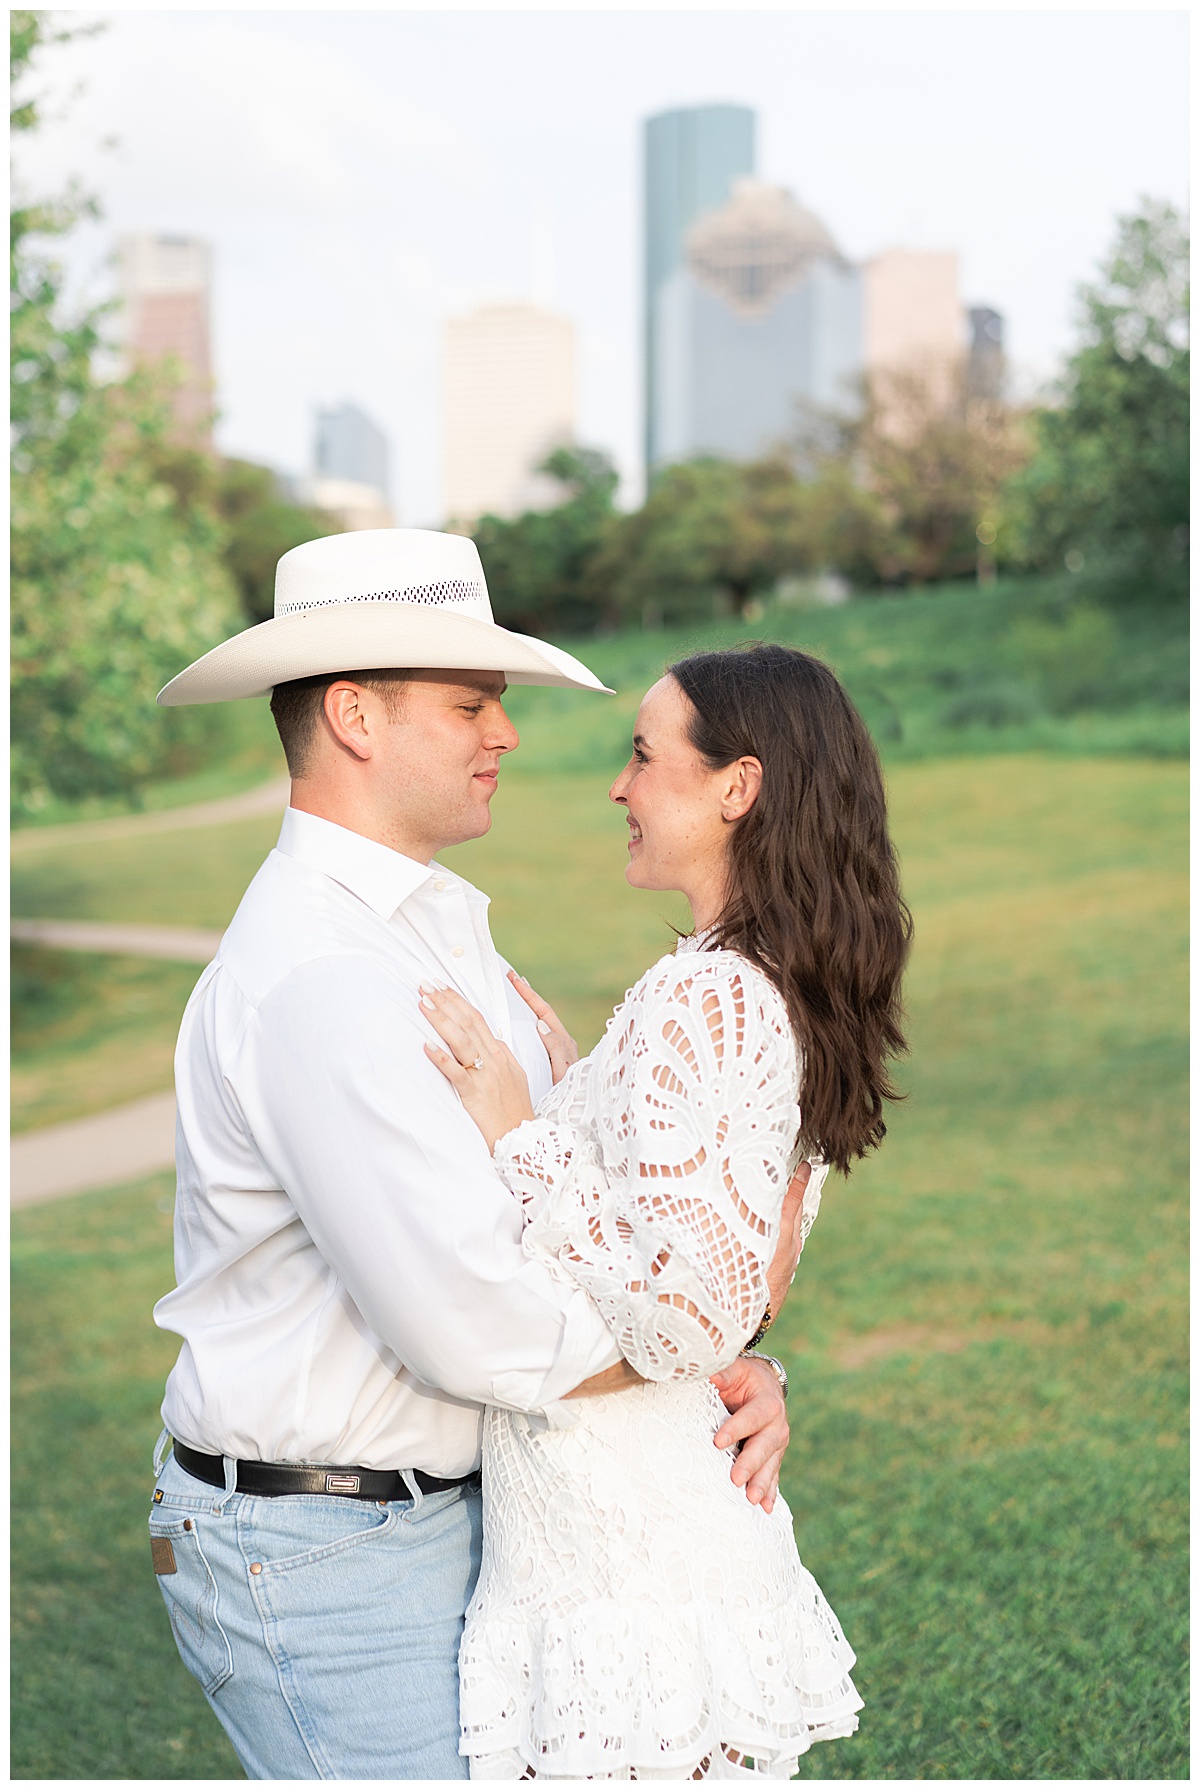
[[352, 1285]]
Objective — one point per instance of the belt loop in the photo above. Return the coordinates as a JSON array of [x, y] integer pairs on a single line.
[[418, 1496], [160, 1449], [230, 1465]]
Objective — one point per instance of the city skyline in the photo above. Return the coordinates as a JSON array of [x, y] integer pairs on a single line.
[[351, 210]]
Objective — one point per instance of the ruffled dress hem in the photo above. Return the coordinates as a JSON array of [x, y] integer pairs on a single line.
[[613, 1691]]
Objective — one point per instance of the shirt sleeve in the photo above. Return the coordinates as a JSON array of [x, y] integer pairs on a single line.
[[395, 1187], [701, 1102]]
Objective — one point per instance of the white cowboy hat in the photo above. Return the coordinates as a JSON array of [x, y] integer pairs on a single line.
[[403, 598]]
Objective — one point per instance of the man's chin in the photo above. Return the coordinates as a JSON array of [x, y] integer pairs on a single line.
[[479, 820]]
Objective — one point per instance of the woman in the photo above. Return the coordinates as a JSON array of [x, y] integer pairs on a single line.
[[635, 1615]]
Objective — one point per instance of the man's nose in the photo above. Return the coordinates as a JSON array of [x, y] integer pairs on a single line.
[[617, 792], [504, 736]]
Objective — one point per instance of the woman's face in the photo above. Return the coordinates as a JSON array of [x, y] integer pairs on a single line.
[[679, 811]]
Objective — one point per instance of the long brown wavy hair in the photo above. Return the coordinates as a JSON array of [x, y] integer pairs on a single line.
[[814, 889]]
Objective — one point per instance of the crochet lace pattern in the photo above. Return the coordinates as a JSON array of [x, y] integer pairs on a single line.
[[636, 1616]]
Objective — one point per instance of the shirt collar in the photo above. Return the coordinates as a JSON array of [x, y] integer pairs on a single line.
[[379, 876]]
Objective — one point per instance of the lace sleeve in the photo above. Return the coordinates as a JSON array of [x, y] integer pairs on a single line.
[[670, 1226]]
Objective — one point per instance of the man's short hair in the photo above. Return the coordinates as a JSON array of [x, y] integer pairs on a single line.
[[296, 708]]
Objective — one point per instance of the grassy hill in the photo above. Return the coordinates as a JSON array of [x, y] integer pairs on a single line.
[[1015, 667], [987, 1340]]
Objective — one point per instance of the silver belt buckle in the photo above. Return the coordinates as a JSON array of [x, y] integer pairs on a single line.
[[342, 1482]]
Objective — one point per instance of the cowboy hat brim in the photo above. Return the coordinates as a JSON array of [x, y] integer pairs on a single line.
[[373, 636]]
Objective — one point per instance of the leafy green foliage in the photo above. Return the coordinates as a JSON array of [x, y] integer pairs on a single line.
[[1108, 486], [537, 564], [710, 536], [893, 497], [260, 527], [115, 582], [905, 487], [257, 523]]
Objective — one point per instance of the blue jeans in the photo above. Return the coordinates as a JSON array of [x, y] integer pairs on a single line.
[[324, 1631]]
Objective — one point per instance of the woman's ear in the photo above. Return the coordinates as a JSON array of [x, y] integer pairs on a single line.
[[740, 792]]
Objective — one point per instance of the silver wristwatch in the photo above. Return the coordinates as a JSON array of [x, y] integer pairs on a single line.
[[780, 1369]]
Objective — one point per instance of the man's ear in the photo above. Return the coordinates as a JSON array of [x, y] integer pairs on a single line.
[[345, 711], [740, 792]]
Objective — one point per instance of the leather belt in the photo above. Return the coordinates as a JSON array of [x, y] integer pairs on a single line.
[[282, 1479]]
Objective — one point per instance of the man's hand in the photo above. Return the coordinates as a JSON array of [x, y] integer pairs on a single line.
[[757, 1418], [787, 1250]]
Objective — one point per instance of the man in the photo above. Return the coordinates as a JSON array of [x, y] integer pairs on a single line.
[[351, 1283]]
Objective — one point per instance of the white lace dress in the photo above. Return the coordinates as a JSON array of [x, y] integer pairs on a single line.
[[636, 1616]]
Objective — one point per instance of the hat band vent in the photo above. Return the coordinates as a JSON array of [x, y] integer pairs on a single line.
[[449, 591]]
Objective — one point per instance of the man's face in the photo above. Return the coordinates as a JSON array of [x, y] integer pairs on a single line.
[[439, 758]]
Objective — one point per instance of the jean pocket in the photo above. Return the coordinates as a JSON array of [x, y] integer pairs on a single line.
[[189, 1590], [324, 1526]]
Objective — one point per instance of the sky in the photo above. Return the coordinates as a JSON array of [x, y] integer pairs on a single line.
[[362, 175]]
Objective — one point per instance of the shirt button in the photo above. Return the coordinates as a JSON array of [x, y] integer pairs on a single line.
[[439, 886], [458, 951]]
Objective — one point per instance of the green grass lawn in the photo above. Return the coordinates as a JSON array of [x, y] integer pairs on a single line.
[[987, 1338], [90, 1031]]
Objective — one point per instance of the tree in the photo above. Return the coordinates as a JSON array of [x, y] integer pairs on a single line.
[[538, 564], [1108, 484], [711, 534], [258, 523], [116, 582], [905, 491]]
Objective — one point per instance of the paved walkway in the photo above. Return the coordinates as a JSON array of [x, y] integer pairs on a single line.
[[101, 1151], [182, 944], [105, 1149], [267, 798]]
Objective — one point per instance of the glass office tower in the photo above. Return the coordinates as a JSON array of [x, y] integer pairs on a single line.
[[758, 326], [350, 446], [692, 158]]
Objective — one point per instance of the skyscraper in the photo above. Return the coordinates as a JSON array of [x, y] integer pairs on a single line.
[[913, 315], [761, 317], [350, 446], [692, 158], [164, 284], [508, 401], [985, 356], [350, 476]]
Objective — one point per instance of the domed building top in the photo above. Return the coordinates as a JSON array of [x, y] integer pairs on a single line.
[[758, 243]]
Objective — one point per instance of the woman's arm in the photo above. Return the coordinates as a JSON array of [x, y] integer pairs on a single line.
[[496, 1096], [675, 1251]]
